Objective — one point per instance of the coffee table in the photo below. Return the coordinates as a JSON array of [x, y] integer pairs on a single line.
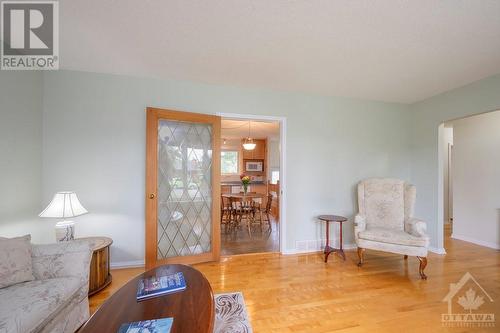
[[193, 309]]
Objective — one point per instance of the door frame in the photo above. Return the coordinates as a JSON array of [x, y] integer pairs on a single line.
[[151, 206], [282, 121]]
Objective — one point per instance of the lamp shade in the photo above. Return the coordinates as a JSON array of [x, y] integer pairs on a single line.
[[63, 205]]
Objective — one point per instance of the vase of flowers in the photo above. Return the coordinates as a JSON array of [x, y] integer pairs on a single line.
[[245, 181]]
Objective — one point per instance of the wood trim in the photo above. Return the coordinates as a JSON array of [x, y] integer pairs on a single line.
[[216, 189], [151, 206], [153, 115]]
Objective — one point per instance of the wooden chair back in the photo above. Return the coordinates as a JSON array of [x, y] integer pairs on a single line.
[[225, 202], [241, 203], [269, 202]]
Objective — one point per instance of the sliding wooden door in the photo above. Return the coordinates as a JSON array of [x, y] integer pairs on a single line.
[[182, 187]]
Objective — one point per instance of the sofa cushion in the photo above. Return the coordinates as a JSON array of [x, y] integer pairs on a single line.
[[392, 236], [28, 306], [15, 260]]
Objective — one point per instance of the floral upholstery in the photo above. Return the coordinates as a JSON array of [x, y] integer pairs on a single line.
[[15, 260], [385, 221], [56, 301], [69, 318], [381, 201], [24, 306], [62, 260], [393, 236]]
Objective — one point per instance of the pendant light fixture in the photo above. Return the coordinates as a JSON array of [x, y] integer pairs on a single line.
[[248, 143]]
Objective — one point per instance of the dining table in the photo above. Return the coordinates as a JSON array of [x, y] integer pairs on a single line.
[[244, 195]]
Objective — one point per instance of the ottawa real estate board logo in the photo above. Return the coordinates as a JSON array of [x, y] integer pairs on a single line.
[[29, 35], [474, 305]]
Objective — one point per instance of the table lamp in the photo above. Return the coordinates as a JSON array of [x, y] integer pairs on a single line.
[[64, 205]]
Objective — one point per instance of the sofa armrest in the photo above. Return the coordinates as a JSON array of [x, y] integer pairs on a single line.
[[65, 259], [359, 224], [416, 227]]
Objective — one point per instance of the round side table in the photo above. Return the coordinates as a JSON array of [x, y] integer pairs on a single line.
[[100, 275], [328, 249]]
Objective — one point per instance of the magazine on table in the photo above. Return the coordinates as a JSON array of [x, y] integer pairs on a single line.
[[163, 325], [161, 284]]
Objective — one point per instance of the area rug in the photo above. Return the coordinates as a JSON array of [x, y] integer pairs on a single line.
[[231, 314]]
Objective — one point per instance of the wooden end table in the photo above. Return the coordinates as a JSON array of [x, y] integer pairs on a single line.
[[328, 248], [100, 275]]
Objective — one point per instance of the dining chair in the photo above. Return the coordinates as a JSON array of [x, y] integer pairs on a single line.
[[265, 211], [243, 209], [226, 213]]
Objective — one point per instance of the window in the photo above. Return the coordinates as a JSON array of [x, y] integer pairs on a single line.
[[275, 177], [229, 162]]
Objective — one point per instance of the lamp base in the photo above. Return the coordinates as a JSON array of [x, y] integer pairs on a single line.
[[65, 231]]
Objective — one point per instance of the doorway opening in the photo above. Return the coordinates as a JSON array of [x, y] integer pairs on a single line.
[[251, 184], [447, 179], [469, 178]]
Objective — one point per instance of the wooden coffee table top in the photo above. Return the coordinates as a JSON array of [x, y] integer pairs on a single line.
[[193, 309]]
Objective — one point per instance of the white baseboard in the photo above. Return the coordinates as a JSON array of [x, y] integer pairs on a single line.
[[127, 264], [476, 241], [140, 263], [436, 250]]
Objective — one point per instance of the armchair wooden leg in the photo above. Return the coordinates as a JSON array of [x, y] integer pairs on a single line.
[[423, 263], [406, 257], [361, 255]]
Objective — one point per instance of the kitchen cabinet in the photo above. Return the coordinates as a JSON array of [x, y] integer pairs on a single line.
[[259, 153]]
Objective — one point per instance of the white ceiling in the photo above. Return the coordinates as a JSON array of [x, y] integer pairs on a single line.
[[238, 129], [398, 51]]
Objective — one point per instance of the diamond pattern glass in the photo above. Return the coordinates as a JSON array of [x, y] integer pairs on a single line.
[[184, 188]]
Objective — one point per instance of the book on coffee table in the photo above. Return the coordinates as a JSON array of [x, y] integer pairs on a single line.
[[162, 325], [160, 285]]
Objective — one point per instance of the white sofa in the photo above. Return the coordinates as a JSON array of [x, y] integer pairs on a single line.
[[385, 220], [55, 300]]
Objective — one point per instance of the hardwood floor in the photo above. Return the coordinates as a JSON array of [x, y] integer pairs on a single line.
[[240, 242], [300, 293]]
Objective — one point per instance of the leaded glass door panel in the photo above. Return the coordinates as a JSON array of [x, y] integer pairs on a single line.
[[182, 187]]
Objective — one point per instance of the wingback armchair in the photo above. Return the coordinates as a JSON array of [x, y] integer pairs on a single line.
[[385, 220]]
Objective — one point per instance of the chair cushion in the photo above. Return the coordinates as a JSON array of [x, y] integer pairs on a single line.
[[28, 306], [15, 260], [392, 236]]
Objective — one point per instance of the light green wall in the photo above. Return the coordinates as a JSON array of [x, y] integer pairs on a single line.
[[476, 179], [478, 97], [21, 94], [94, 144], [20, 144]]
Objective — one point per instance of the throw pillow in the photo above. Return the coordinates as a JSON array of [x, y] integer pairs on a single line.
[[15, 260]]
